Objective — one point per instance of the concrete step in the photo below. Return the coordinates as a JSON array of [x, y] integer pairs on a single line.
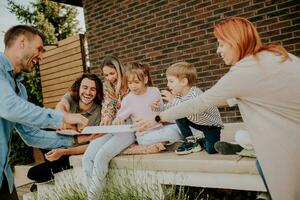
[[30, 196], [70, 177], [45, 190], [76, 160], [20, 175]]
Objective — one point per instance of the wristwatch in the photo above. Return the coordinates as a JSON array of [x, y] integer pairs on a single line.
[[75, 140], [157, 119]]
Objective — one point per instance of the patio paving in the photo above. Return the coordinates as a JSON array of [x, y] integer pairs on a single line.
[[23, 189]]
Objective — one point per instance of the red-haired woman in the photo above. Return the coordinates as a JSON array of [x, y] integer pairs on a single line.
[[265, 81]]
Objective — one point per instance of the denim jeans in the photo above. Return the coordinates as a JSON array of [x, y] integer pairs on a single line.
[[262, 176], [211, 133], [96, 159], [4, 191], [45, 171], [168, 133]]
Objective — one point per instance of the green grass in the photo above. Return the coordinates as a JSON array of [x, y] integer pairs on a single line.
[[123, 188], [70, 192]]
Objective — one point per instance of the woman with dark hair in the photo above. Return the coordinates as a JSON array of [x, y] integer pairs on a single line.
[[85, 97]]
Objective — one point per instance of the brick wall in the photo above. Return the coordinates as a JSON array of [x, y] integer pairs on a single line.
[[162, 32]]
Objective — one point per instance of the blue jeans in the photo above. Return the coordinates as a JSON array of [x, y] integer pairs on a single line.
[[211, 133], [168, 133], [262, 176], [4, 191], [96, 159]]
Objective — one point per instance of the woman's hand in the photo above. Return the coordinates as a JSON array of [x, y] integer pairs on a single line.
[[144, 123], [105, 121], [55, 154], [167, 95]]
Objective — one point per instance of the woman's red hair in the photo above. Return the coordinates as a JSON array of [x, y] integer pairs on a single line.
[[242, 35]]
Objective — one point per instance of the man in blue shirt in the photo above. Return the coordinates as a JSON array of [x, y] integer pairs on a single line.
[[23, 49]]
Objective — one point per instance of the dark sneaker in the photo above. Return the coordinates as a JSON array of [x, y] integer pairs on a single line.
[[227, 148], [188, 147]]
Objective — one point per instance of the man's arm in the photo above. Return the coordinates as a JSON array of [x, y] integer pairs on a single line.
[[17, 109], [55, 154], [63, 105], [43, 139]]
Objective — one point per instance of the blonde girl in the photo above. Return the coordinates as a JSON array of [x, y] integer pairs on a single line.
[[137, 104], [101, 150], [115, 88]]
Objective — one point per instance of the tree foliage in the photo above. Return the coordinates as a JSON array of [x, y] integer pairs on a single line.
[[57, 21]]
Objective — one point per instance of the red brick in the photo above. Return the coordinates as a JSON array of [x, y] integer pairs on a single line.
[[164, 32]]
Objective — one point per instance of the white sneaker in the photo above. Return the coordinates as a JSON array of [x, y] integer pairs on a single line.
[[263, 196]]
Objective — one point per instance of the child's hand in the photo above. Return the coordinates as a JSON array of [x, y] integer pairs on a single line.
[[167, 95], [105, 121], [154, 105], [54, 154], [118, 121]]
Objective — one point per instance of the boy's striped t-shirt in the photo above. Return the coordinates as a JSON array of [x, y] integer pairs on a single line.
[[210, 117]]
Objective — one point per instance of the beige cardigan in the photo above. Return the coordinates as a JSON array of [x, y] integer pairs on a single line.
[[268, 94]]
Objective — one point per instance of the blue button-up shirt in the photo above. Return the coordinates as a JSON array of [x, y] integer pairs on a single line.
[[17, 112]]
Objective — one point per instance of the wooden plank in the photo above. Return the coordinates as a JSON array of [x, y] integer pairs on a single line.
[[62, 64], [50, 105], [59, 92], [61, 49], [59, 56], [68, 66], [77, 70], [68, 40], [52, 99], [66, 84], [60, 80], [62, 42], [61, 61]]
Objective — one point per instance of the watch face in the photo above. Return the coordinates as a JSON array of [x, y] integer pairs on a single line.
[[157, 118]]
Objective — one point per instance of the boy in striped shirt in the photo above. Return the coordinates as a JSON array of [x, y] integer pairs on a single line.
[[181, 77]]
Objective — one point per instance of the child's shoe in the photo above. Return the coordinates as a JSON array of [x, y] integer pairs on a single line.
[[188, 147], [264, 196]]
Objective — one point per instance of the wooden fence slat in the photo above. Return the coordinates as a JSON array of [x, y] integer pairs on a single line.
[[63, 42], [68, 66], [52, 99], [50, 105], [60, 92], [66, 84], [62, 61], [62, 73], [61, 49], [60, 80], [69, 40], [61, 55], [61, 66]]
